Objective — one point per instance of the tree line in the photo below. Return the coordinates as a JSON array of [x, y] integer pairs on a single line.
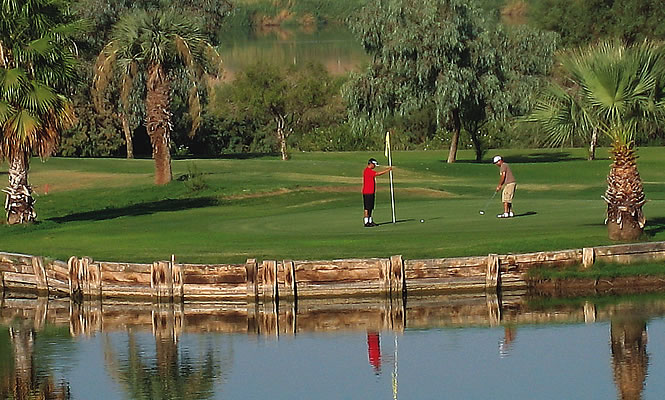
[[447, 73]]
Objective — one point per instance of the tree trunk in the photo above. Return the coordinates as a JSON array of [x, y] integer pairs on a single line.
[[593, 145], [281, 136], [128, 136], [624, 196], [19, 203], [158, 122], [452, 154]]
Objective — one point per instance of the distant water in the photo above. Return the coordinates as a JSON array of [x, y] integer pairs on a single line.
[[335, 47]]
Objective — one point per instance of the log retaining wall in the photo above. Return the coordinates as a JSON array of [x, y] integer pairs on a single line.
[[267, 281]]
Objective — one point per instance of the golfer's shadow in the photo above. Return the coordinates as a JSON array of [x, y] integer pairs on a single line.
[[525, 214]]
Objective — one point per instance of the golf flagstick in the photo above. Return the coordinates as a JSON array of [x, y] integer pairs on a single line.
[[390, 164]]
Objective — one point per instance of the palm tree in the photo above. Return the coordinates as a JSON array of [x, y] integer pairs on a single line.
[[153, 45], [616, 90], [37, 69]]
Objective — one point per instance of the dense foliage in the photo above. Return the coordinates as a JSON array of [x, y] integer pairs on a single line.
[[515, 55]]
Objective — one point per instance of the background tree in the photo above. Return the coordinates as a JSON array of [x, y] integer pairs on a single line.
[[37, 70], [281, 99], [152, 45], [617, 90], [582, 22], [437, 53]]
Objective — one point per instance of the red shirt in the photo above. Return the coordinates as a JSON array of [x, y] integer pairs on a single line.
[[369, 182]]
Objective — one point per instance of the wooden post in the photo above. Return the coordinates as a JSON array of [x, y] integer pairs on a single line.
[[397, 283], [290, 285], [74, 277], [269, 281], [40, 274], [251, 274], [178, 280], [93, 279], [493, 277], [161, 281], [588, 257]]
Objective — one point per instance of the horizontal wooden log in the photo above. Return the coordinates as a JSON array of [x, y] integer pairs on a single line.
[[445, 267], [213, 268], [338, 271], [631, 258], [203, 278], [124, 267], [12, 278], [19, 268], [110, 290], [634, 248], [125, 277], [446, 284]]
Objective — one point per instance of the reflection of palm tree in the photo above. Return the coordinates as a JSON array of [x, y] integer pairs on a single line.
[[628, 339], [172, 377], [24, 381]]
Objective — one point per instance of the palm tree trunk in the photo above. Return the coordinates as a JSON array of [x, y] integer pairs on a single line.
[[158, 122], [281, 136], [452, 153], [128, 136], [19, 203], [624, 196], [593, 145]]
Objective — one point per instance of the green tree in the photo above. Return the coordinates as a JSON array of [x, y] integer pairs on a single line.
[[152, 46], [37, 70], [280, 98], [617, 90], [582, 22], [440, 54]]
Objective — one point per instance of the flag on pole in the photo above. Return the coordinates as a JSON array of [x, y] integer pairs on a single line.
[[390, 163], [387, 152]]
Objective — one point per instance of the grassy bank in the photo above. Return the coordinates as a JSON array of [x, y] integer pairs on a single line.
[[310, 207]]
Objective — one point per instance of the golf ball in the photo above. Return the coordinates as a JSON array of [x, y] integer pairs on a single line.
[[422, 220], [482, 212]]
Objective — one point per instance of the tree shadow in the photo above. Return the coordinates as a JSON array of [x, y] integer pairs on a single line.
[[139, 209], [654, 226], [541, 157], [531, 158]]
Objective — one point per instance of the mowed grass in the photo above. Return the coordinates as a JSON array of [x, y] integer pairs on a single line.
[[310, 207]]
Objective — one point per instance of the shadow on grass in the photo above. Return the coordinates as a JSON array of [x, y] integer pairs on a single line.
[[542, 157], [654, 226], [139, 209]]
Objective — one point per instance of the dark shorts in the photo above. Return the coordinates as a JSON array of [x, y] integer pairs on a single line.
[[368, 200]]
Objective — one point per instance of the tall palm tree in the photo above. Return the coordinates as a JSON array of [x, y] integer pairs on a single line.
[[152, 45], [613, 89], [37, 70]]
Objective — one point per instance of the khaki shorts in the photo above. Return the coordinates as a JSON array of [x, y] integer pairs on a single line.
[[508, 192]]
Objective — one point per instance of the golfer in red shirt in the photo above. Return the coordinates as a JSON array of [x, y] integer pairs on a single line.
[[369, 189]]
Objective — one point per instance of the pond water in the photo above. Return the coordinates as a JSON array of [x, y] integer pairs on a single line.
[[452, 347], [335, 47]]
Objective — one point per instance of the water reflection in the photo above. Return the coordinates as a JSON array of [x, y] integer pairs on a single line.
[[189, 351], [628, 340], [23, 374]]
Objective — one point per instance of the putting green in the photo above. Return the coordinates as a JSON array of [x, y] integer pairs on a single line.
[[310, 207]]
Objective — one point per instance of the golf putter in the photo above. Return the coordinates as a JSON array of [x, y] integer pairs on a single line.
[[482, 210]]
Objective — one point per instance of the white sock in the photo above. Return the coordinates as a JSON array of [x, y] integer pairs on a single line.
[[371, 220], [366, 220]]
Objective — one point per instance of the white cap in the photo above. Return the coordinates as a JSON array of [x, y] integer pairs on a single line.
[[496, 159]]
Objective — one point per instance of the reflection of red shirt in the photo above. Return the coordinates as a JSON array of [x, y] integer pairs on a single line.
[[369, 182], [374, 350]]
